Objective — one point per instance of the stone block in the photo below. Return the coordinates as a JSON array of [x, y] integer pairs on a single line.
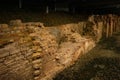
[[37, 61], [4, 54], [36, 72], [17, 22]]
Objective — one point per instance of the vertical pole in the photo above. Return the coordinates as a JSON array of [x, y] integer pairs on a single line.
[[47, 9], [111, 25], [118, 24], [55, 8], [104, 25], [107, 29], [115, 23], [55, 5], [20, 4]]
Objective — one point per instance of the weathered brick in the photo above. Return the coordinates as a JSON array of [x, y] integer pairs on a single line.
[[15, 22], [36, 66], [2, 60], [4, 53], [36, 55], [36, 78], [3, 68], [9, 62], [36, 72], [37, 61]]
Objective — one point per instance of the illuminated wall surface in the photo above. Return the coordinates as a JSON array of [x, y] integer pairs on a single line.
[[30, 51]]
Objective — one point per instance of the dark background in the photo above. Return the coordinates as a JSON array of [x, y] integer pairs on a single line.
[[110, 6], [85, 3]]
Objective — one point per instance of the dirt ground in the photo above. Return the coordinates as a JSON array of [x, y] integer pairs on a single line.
[[51, 19], [101, 63]]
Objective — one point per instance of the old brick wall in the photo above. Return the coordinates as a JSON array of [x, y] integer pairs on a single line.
[[30, 51], [15, 61]]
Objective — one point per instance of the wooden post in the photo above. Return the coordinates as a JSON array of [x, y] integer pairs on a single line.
[[107, 29], [99, 31], [107, 32], [111, 25], [118, 24], [104, 25], [115, 23]]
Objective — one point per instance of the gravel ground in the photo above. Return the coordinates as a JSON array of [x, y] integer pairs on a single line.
[[101, 63]]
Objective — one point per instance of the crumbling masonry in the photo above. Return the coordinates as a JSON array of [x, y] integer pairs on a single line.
[[30, 51]]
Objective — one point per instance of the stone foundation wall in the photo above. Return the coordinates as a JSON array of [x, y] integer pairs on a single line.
[[30, 51]]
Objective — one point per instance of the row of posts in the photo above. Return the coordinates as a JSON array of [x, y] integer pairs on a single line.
[[111, 23]]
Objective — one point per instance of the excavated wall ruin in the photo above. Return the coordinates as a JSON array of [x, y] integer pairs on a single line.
[[30, 51]]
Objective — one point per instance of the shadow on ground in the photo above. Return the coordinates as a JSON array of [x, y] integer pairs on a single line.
[[97, 69]]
